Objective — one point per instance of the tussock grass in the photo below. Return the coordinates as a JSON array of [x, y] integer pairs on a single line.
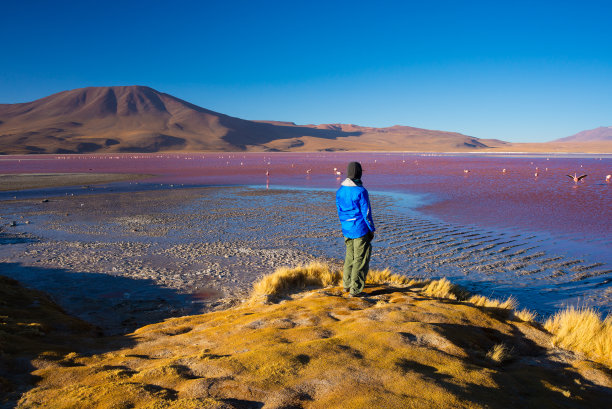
[[286, 280], [582, 330], [443, 288], [500, 353], [482, 301], [386, 277], [525, 315]]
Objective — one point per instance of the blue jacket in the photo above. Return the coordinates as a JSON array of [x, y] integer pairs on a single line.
[[354, 210]]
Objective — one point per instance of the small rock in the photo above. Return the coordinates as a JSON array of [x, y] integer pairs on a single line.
[[44, 200], [13, 223], [27, 222]]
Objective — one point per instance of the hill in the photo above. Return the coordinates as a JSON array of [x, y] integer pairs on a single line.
[[603, 133], [141, 119], [299, 342]]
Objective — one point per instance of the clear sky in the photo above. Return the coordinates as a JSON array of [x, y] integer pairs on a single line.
[[522, 71]]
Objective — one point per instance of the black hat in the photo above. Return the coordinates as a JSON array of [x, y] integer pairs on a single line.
[[354, 170]]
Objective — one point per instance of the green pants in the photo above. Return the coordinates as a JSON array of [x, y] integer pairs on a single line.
[[357, 263]]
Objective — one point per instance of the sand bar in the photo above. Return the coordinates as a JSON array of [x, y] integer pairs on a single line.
[[22, 181]]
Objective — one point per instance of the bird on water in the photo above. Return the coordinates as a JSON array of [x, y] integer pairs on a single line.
[[576, 178]]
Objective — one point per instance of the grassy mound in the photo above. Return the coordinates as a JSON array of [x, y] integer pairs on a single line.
[[396, 347]]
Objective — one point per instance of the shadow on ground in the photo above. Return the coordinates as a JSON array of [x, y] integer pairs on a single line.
[[46, 314]]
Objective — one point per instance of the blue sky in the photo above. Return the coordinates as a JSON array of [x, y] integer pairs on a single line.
[[522, 71]]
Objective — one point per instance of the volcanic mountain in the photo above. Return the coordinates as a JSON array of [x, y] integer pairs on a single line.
[[141, 119], [603, 133]]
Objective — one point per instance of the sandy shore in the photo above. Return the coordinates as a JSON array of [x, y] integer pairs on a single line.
[[24, 181]]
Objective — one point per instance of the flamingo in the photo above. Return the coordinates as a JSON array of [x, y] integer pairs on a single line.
[[466, 171], [608, 178], [504, 170], [576, 178]]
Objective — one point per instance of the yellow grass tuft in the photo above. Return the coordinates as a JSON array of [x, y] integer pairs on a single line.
[[499, 353], [582, 330], [443, 288], [285, 279], [482, 301], [386, 277], [525, 315]]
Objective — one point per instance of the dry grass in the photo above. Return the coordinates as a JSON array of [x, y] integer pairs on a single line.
[[482, 301], [286, 280], [500, 353], [443, 288], [525, 315], [386, 277], [582, 330]]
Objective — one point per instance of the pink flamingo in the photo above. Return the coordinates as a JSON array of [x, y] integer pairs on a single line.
[[576, 178]]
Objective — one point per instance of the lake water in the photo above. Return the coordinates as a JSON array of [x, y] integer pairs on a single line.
[[542, 238]]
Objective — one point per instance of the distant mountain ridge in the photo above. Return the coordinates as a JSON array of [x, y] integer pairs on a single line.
[[603, 133], [141, 119]]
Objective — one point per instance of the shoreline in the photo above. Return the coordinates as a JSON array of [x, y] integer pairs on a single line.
[[143, 255], [492, 151], [24, 181]]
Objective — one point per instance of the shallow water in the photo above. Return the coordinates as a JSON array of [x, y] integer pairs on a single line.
[[543, 239]]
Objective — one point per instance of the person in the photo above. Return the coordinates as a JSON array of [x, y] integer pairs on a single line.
[[355, 214]]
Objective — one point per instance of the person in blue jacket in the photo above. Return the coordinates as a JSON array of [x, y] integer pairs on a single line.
[[355, 215]]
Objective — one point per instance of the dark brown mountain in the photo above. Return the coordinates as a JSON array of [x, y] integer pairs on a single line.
[[141, 119]]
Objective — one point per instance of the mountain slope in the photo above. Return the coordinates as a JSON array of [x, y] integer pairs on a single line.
[[603, 133], [141, 119]]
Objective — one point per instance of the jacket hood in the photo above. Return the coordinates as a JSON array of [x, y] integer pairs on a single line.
[[348, 182]]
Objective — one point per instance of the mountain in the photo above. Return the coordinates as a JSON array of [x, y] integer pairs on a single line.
[[141, 119], [603, 133]]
